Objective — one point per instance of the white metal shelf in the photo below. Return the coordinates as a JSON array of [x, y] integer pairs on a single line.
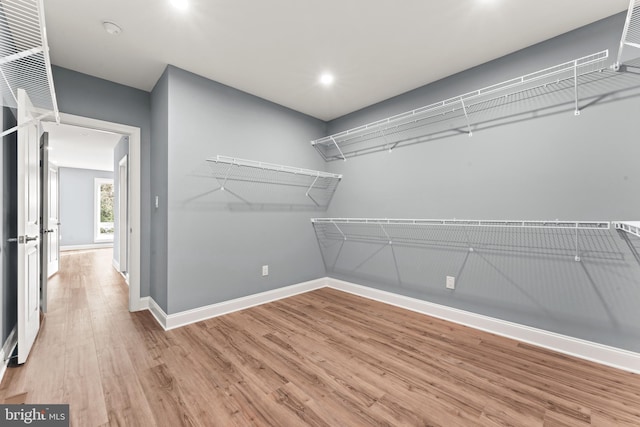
[[234, 161], [579, 225], [558, 237], [631, 32], [631, 227], [461, 113], [318, 186], [24, 55]]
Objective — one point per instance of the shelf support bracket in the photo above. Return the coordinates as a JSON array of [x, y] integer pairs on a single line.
[[393, 253], [311, 186], [623, 39], [11, 91], [226, 176], [466, 115], [309, 190], [390, 242], [386, 141], [575, 87], [25, 124], [21, 55], [338, 147], [340, 231]]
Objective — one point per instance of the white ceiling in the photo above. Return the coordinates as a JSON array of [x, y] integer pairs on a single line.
[[277, 49], [76, 147]]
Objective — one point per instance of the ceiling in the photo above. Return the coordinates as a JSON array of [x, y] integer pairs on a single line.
[[277, 49], [76, 147]]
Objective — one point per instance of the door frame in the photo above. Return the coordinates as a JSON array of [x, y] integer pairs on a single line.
[[136, 303], [51, 168], [45, 195], [123, 215]]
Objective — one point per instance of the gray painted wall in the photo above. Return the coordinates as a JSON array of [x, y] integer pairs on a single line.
[[119, 151], [8, 252], [77, 205], [89, 96], [216, 243], [542, 167], [159, 177]]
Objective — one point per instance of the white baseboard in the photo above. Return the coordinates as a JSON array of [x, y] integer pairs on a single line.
[[85, 247], [116, 265], [158, 313], [176, 320], [142, 304], [6, 350], [605, 355]]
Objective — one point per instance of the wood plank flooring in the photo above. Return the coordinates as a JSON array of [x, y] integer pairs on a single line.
[[324, 358]]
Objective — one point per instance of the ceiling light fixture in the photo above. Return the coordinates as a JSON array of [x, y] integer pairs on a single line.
[[327, 79], [112, 28], [180, 4]]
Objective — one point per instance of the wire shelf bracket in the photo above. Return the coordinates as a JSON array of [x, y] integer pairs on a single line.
[[631, 227], [356, 140], [318, 186], [386, 237], [630, 33], [24, 57]]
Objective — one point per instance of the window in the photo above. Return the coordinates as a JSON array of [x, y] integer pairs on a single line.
[[103, 193]]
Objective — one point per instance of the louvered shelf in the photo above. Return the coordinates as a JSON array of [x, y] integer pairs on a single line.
[[558, 237], [24, 55], [557, 85], [317, 186], [631, 227]]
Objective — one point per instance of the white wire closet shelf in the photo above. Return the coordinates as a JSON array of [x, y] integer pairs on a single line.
[[630, 34], [553, 86], [555, 237], [232, 173], [24, 55], [631, 227]]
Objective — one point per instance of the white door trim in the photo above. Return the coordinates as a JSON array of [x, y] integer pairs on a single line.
[[135, 302], [123, 213]]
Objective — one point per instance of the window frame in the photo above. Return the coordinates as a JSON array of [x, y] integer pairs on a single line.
[[97, 237]]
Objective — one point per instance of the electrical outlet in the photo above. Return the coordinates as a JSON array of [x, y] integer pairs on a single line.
[[265, 270], [451, 282]]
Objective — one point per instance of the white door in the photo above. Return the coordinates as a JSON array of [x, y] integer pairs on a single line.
[[28, 229], [123, 216]]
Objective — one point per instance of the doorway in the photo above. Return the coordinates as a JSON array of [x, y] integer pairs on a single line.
[[131, 212]]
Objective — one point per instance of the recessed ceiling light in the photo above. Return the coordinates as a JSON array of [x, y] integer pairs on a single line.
[[180, 4], [112, 28], [327, 79]]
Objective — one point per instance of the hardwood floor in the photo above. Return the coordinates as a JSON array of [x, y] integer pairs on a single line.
[[324, 358]]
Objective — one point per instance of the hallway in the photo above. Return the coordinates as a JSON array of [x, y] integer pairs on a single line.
[[81, 355]]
